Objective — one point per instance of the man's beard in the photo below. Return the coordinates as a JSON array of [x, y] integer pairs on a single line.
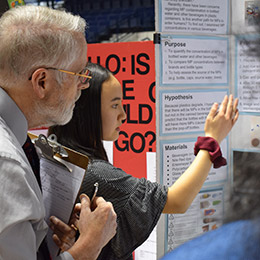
[[58, 114]]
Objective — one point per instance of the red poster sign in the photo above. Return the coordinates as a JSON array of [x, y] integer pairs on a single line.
[[133, 64]]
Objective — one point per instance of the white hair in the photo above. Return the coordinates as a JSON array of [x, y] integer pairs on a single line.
[[35, 36]]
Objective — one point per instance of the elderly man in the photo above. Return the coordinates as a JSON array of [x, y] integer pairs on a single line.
[[42, 73]]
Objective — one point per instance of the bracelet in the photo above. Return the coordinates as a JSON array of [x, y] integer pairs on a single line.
[[212, 146]]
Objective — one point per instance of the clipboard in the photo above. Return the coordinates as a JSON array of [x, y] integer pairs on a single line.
[[73, 156], [62, 171]]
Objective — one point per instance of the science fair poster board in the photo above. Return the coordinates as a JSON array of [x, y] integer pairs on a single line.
[[133, 64], [194, 60], [203, 51], [204, 214], [247, 74], [185, 111], [193, 71], [178, 154], [194, 16]]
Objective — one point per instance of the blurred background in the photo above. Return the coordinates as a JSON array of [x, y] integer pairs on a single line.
[[108, 20]]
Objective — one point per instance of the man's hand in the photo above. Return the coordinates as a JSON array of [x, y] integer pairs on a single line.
[[96, 224], [101, 221]]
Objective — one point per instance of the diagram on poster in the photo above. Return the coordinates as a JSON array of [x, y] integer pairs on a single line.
[[191, 60], [251, 13], [247, 75], [255, 131], [204, 214], [246, 16], [186, 111], [196, 16], [178, 155]]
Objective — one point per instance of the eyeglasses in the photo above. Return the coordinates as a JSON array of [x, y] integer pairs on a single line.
[[84, 75]]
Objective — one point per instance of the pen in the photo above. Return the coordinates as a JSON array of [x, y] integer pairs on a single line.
[[93, 197], [95, 191]]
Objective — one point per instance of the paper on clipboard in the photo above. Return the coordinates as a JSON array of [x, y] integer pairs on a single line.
[[62, 171], [60, 189]]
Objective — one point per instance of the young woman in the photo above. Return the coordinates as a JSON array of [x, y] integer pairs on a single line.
[[138, 203]]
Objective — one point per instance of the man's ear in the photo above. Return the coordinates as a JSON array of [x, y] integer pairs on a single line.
[[39, 82]]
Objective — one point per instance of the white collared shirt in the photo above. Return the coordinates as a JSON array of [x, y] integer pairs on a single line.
[[22, 225]]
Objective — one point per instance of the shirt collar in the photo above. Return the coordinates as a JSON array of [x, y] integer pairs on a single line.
[[13, 117]]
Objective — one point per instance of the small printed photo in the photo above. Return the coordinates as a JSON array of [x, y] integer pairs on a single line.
[[204, 204], [214, 227], [209, 212], [208, 220], [205, 228], [205, 196], [216, 202], [251, 12]]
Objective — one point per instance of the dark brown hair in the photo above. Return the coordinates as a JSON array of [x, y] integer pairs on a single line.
[[84, 131]]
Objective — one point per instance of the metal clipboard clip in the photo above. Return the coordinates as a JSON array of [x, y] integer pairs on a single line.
[[49, 147]]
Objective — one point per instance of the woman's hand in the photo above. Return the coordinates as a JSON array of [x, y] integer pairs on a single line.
[[219, 123]]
